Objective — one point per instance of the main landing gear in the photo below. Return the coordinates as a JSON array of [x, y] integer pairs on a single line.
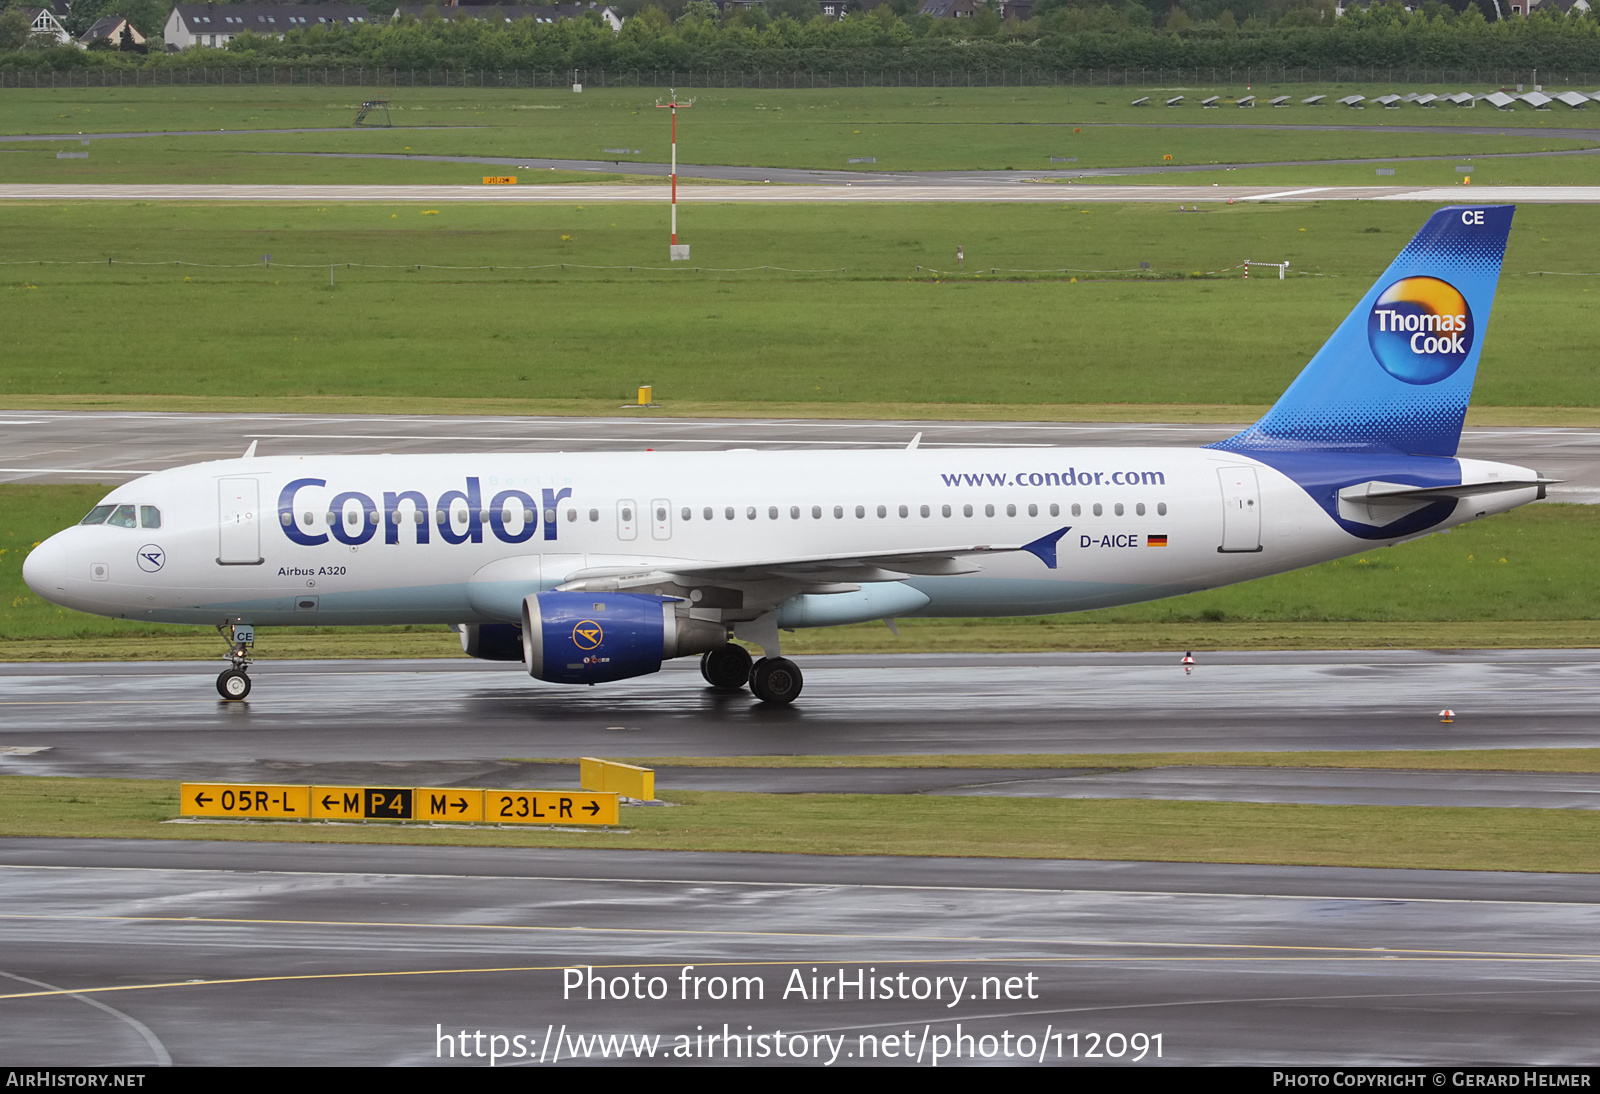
[[776, 680], [726, 668], [234, 683], [773, 680]]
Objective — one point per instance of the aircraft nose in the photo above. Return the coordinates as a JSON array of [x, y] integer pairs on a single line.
[[45, 568]]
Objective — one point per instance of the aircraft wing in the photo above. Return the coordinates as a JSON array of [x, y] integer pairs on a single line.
[[856, 566]]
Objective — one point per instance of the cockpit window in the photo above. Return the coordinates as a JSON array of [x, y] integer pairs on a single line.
[[149, 516], [123, 517], [98, 514]]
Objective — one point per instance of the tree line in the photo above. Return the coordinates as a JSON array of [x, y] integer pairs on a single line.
[[1067, 35]]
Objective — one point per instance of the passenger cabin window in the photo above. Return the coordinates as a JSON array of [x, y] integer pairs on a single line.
[[98, 514], [1161, 508], [1097, 509], [1077, 510], [123, 517], [1139, 508], [1055, 510]]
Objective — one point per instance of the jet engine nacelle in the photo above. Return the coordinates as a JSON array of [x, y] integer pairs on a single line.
[[589, 638], [491, 641]]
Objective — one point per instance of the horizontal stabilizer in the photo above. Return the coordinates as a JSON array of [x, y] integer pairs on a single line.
[[1399, 492], [1380, 504]]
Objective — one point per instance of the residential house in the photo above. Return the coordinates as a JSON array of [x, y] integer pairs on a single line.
[[116, 32], [216, 25], [43, 22], [511, 13]]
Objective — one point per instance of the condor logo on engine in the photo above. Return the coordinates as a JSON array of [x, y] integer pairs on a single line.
[[1420, 330], [588, 635]]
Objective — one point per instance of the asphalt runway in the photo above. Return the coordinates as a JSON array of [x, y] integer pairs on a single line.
[[975, 191], [124, 953], [111, 447], [445, 722]]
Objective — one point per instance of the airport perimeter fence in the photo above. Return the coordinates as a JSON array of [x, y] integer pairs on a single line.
[[777, 80]]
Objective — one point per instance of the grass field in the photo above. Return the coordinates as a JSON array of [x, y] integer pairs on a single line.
[[902, 129], [295, 159], [1566, 841], [747, 338], [1519, 579]]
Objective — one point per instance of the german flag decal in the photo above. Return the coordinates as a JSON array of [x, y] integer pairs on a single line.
[[1155, 541]]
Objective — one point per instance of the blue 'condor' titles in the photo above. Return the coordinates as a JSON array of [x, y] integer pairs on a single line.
[[353, 517]]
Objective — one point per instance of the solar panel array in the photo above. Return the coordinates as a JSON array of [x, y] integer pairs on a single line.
[[1500, 100]]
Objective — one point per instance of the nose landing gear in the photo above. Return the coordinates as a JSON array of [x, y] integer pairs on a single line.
[[234, 683]]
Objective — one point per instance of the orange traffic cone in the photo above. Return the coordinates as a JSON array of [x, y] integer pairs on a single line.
[[1188, 658], [1447, 716]]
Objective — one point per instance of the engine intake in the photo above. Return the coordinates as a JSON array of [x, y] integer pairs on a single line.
[[590, 638]]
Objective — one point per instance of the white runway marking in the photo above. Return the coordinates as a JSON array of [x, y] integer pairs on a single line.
[[1010, 192]]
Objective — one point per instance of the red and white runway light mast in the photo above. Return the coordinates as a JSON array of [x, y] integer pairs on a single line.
[[679, 252]]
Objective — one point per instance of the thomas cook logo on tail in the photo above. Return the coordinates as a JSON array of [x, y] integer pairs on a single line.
[[1420, 330]]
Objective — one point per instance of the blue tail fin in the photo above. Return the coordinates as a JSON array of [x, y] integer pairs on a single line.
[[1398, 372]]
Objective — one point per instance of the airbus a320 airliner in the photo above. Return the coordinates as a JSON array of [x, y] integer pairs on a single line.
[[596, 567]]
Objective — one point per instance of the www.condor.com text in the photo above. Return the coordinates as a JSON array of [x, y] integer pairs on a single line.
[[913, 1046]]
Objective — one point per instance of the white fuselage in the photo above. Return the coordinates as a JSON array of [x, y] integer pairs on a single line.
[[448, 539]]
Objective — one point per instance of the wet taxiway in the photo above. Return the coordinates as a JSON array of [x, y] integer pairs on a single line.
[[448, 721], [138, 953]]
